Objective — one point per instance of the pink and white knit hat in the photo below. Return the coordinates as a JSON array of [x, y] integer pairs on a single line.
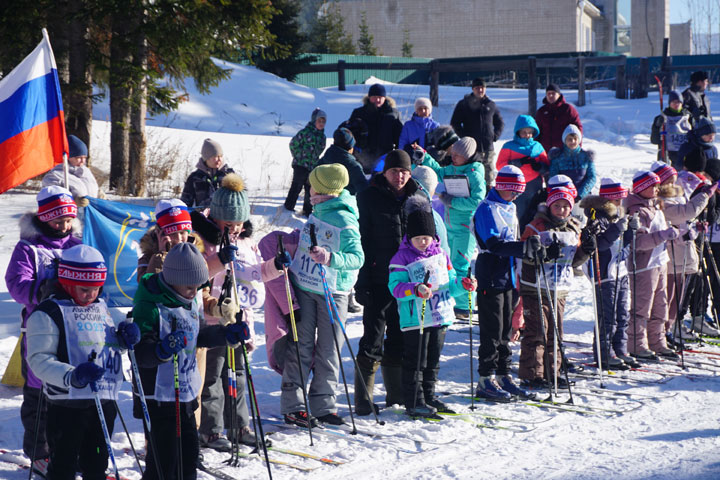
[[562, 181], [55, 202], [644, 180], [612, 189], [82, 265], [172, 216], [561, 193], [510, 178], [663, 170]]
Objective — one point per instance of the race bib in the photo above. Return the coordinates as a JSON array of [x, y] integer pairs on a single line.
[[439, 307], [248, 277], [305, 270]]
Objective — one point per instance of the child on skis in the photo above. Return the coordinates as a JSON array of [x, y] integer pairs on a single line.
[[460, 209], [306, 147], [675, 121], [339, 254], [168, 309], [496, 230], [648, 267], [428, 301], [567, 247], [574, 161], [419, 126], [30, 276], [613, 239], [74, 348]]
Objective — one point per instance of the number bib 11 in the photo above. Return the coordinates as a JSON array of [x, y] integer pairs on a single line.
[[439, 307], [87, 329], [188, 375], [306, 271]]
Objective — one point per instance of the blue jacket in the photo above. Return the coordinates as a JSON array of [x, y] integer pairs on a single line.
[[496, 231], [415, 129], [577, 164]]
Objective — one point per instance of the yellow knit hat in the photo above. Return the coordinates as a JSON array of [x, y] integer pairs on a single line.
[[329, 179]]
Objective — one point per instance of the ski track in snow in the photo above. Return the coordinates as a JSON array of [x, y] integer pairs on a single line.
[[253, 116]]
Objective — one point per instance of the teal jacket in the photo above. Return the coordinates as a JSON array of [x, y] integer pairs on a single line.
[[461, 209], [342, 212]]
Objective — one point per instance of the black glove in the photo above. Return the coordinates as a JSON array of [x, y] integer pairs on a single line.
[[296, 315], [532, 247], [282, 259], [588, 245], [363, 296], [553, 251], [227, 254]]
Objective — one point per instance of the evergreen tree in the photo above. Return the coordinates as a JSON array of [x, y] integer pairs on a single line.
[[407, 47], [365, 40], [327, 33]]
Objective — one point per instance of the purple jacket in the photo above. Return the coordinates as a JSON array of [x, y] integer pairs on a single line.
[[32, 262], [276, 303], [416, 129]]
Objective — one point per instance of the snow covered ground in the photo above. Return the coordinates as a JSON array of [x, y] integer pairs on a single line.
[[673, 436]]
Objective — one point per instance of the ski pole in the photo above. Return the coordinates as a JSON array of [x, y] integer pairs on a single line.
[[420, 344], [293, 326], [597, 292], [546, 355], [597, 323], [127, 433], [38, 412], [714, 270], [663, 132], [677, 301], [472, 380], [634, 286], [255, 408], [101, 416], [176, 384], [555, 338]]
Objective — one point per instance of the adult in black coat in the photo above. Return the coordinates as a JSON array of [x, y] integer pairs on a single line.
[[382, 227], [376, 127], [694, 99], [341, 151]]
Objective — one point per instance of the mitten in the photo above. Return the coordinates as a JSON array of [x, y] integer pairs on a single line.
[[634, 222], [423, 291], [588, 245], [553, 251], [671, 233], [531, 247], [320, 255], [85, 373], [226, 311], [171, 344], [469, 284], [227, 254], [236, 333], [282, 259], [622, 224], [128, 333]]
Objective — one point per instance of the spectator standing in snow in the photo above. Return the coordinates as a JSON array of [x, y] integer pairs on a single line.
[[341, 151], [553, 117], [81, 181], [419, 126], [202, 183], [676, 120], [698, 146], [694, 99], [306, 147], [478, 117], [574, 161]]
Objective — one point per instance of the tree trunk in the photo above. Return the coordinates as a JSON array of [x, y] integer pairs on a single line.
[[138, 141], [78, 93], [120, 104]]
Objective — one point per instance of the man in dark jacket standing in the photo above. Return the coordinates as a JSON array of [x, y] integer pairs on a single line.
[[694, 99], [382, 227], [477, 116], [553, 117], [341, 151], [380, 123]]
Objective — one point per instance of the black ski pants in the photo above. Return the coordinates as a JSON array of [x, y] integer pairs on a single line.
[[162, 418], [433, 340], [381, 319], [299, 181], [495, 310]]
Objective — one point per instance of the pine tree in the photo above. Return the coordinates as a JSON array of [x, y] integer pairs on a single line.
[[365, 40], [407, 47], [327, 33]]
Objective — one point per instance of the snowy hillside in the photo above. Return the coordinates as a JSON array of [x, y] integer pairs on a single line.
[[668, 428]]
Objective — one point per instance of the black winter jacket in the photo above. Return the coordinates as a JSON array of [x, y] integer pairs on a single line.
[[697, 103], [479, 119], [383, 127], [202, 183], [382, 227], [335, 154]]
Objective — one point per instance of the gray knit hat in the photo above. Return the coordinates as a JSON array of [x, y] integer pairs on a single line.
[[426, 177], [465, 147], [210, 149], [184, 265], [230, 202]]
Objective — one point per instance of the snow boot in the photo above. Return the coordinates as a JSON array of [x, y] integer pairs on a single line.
[[702, 326], [300, 418], [422, 410], [462, 315], [439, 405], [367, 368], [353, 307], [645, 354], [216, 441], [331, 419], [507, 384], [630, 361], [667, 353], [392, 378], [615, 363], [247, 437], [489, 389]]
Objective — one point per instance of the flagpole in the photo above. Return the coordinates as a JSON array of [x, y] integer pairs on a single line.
[[46, 37], [65, 170]]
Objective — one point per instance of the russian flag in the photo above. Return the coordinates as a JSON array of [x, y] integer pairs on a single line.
[[32, 123]]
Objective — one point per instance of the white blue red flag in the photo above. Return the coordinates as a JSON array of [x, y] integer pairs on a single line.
[[32, 123]]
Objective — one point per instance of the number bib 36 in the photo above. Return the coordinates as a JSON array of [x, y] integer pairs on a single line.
[[248, 276]]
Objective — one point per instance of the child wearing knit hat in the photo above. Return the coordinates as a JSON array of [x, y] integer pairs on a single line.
[[566, 246], [168, 309], [646, 333], [306, 147], [75, 349], [669, 129], [496, 231], [425, 307], [427, 180], [459, 209], [334, 225], [228, 247], [81, 181], [416, 130], [211, 169], [574, 161], [30, 277]]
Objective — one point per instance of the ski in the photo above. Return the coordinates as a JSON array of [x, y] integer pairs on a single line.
[[703, 352], [326, 460], [390, 435], [580, 409], [479, 422], [274, 461], [616, 393], [24, 463]]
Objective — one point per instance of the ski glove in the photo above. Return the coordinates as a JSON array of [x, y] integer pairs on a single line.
[[418, 155], [469, 284], [171, 344], [671, 233], [634, 222], [588, 245], [236, 333], [282, 259], [86, 372], [128, 333], [532, 247], [553, 251], [227, 254], [226, 311], [446, 199], [622, 224], [690, 235], [320, 255], [423, 291]]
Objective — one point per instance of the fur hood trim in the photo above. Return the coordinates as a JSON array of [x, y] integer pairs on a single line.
[[602, 205], [29, 231], [389, 101]]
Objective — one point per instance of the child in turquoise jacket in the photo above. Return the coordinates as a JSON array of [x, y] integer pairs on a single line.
[[426, 307]]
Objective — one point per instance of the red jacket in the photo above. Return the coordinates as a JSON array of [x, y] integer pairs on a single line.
[[552, 118]]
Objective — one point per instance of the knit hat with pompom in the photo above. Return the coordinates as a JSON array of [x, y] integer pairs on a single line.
[[230, 202]]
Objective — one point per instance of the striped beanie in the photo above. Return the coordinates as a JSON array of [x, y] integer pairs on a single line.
[[172, 216], [83, 266], [510, 178], [562, 181], [561, 193], [55, 202], [644, 180], [612, 189], [663, 170]]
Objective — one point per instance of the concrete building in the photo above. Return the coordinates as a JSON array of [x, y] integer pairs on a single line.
[[681, 39], [468, 28]]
